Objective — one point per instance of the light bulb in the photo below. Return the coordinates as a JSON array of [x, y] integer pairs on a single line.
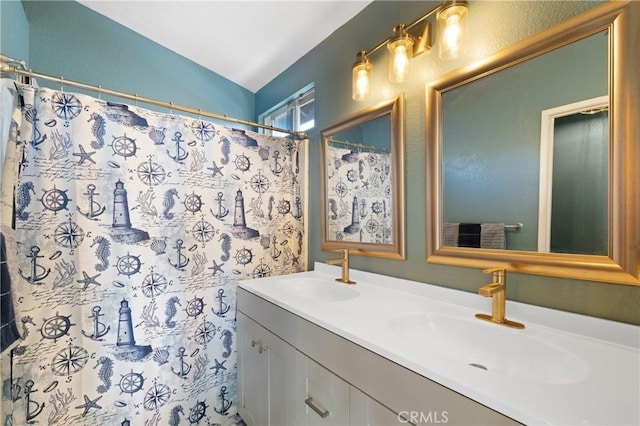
[[401, 64], [400, 54], [452, 34], [452, 29], [360, 83]]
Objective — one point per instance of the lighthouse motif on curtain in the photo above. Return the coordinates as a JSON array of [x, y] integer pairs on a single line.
[[122, 229], [133, 229]]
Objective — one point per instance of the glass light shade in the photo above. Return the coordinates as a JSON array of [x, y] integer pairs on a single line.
[[452, 29], [400, 54], [361, 77]]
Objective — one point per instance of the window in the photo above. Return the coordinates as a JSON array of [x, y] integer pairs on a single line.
[[295, 113]]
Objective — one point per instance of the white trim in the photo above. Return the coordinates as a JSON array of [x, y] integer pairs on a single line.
[[546, 162]]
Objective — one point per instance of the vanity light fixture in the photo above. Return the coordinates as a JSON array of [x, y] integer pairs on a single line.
[[409, 41]]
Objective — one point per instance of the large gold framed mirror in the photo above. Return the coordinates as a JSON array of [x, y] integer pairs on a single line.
[[362, 182], [489, 172]]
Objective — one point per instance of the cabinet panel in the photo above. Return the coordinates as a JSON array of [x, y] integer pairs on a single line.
[[322, 398], [366, 411], [266, 369], [253, 374]]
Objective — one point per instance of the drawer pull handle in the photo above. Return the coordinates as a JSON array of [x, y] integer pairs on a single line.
[[254, 343], [262, 349], [319, 411]]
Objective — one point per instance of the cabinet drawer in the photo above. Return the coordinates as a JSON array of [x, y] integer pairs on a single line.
[[322, 398]]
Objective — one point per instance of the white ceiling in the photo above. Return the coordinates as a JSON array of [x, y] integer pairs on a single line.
[[247, 42]]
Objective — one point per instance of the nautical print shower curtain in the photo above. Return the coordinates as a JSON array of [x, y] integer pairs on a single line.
[[133, 229], [359, 193]]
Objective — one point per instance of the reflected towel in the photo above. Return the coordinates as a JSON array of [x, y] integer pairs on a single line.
[[485, 235], [450, 234], [492, 236]]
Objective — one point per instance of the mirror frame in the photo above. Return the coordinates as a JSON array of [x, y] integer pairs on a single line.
[[622, 265], [395, 108]]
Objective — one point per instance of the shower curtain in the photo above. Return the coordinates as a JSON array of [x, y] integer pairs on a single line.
[[132, 229], [359, 193]]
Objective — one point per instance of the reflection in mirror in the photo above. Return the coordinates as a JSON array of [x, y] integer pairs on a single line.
[[490, 165], [487, 164], [574, 171], [362, 182]]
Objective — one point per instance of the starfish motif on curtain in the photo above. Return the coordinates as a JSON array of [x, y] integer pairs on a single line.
[[89, 404], [84, 155]]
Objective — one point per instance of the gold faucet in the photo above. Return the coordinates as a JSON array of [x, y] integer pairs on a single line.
[[344, 261], [497, 291]]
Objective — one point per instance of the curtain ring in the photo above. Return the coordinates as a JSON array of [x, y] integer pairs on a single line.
[[170, 108], [135, 95], [199, 118], [62, 84], [99, 92]]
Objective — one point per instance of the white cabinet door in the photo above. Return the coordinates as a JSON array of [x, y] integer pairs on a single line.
[[253, 374], [366, 411], [321, 398], [266, 369]]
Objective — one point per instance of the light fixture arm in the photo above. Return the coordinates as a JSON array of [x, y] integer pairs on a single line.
[[408, 27]]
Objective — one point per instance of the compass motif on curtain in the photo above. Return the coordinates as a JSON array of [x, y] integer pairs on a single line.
[[205, 332], [262, 270], [203, 130], [151, 173], [69, 360], [372, 226], [203, 231], [66, 105], [154, 285], [156, 397], [341, 189], [259, 183], [68, 234]]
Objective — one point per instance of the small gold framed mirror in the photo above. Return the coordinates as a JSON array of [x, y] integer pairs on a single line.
[[362, 182]]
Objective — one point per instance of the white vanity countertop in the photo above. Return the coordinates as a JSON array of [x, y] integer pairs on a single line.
[[563, 368]]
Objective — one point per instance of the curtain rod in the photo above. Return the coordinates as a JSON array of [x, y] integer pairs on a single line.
[[11, 69], [359, 145]]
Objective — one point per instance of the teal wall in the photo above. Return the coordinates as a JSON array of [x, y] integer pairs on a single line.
[[14, 30], [493, 26], [70, 40]]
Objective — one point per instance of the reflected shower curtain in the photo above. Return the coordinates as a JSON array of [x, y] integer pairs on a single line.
[[359, 194], [133, 229]]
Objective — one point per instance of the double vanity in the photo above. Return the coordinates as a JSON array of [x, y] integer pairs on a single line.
[[390, 351]]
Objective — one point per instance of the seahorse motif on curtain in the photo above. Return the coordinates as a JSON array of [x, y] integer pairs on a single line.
[[359, 195], [133, 229]]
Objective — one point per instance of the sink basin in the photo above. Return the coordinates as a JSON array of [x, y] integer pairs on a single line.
[[316, 289], [491, 347]]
